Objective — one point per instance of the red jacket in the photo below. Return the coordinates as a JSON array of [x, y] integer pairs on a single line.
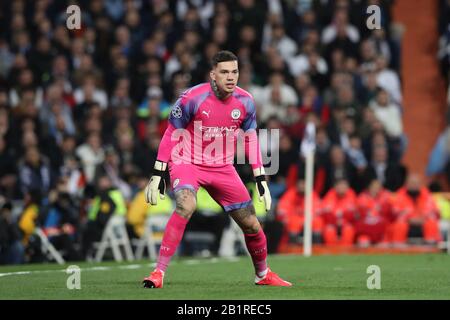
[[375, 206], [293, 204], [339, 210], [404, 206]]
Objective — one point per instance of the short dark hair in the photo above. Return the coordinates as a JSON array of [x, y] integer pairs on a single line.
[[223, 56]]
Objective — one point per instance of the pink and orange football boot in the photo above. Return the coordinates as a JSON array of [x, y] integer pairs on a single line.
[[155, 280], [272, 279]]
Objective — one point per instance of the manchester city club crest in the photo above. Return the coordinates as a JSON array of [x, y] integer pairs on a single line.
[[235, 114]]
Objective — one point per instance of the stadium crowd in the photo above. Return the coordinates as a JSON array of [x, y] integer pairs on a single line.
[[82, 113]]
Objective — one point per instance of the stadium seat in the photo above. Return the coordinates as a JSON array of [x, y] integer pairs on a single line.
[[445, 243], [230, 236], [155, 225], [48, 248], [114, 237]]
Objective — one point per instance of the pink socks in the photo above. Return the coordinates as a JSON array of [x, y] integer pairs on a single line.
[[257, 246], [171, 239]]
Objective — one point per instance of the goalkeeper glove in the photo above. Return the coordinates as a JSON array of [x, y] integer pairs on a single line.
[[262, 188], [157, 184]]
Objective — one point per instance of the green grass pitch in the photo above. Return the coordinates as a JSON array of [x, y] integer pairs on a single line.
[[424, 276]]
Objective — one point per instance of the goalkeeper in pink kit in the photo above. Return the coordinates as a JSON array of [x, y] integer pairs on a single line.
[[204, 122]]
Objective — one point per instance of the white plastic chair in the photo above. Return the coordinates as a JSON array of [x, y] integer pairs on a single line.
[[150, 239], [47, 247], [229, 237], [114, 237]]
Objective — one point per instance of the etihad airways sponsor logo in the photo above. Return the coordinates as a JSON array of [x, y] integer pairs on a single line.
[[217, 131]]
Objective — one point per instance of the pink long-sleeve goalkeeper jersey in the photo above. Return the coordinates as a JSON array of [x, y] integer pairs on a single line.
[[203, 129]]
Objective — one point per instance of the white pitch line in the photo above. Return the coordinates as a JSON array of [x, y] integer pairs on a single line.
[[99, 268], [131, 267], [232, 259], [14, 273], [123, 267]]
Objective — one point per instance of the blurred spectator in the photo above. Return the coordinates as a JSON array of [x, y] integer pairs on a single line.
[[8, 171], [391, 175], [288, 158], [442, 200], [312, 102], [121, 96], [138, 213], [346, 102], [278, 39], [29, 219], [118, 71], [108, 202], [72, 174], [338, 168], [60, 72], [25, 85], [11, 248], [381, 43], [355, 153], [323, 147], [388, 79], [85, 69], [388, 113], [247, 82], [205, 9], [345, 127], [248, 13], [91, 154], [374, 208], [338, 213], [415, 212], [277, 96], [370, 88], [174, 63], [130, 152], [89, 92], [56, 114], [110, 168], [60, 222], [35, 172], [270, 145], [6, 58], [291, 211], [340, 26], [41, 59], [308, 23]]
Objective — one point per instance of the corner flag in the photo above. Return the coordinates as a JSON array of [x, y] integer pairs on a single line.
[[308, 148]]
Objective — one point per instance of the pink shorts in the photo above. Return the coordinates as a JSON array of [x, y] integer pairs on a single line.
[[223, 183]]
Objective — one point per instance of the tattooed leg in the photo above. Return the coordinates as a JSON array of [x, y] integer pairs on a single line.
[[246, 219], [186, 203]]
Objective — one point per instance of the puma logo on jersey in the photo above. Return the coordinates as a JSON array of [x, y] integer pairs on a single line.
[[207, 113]]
